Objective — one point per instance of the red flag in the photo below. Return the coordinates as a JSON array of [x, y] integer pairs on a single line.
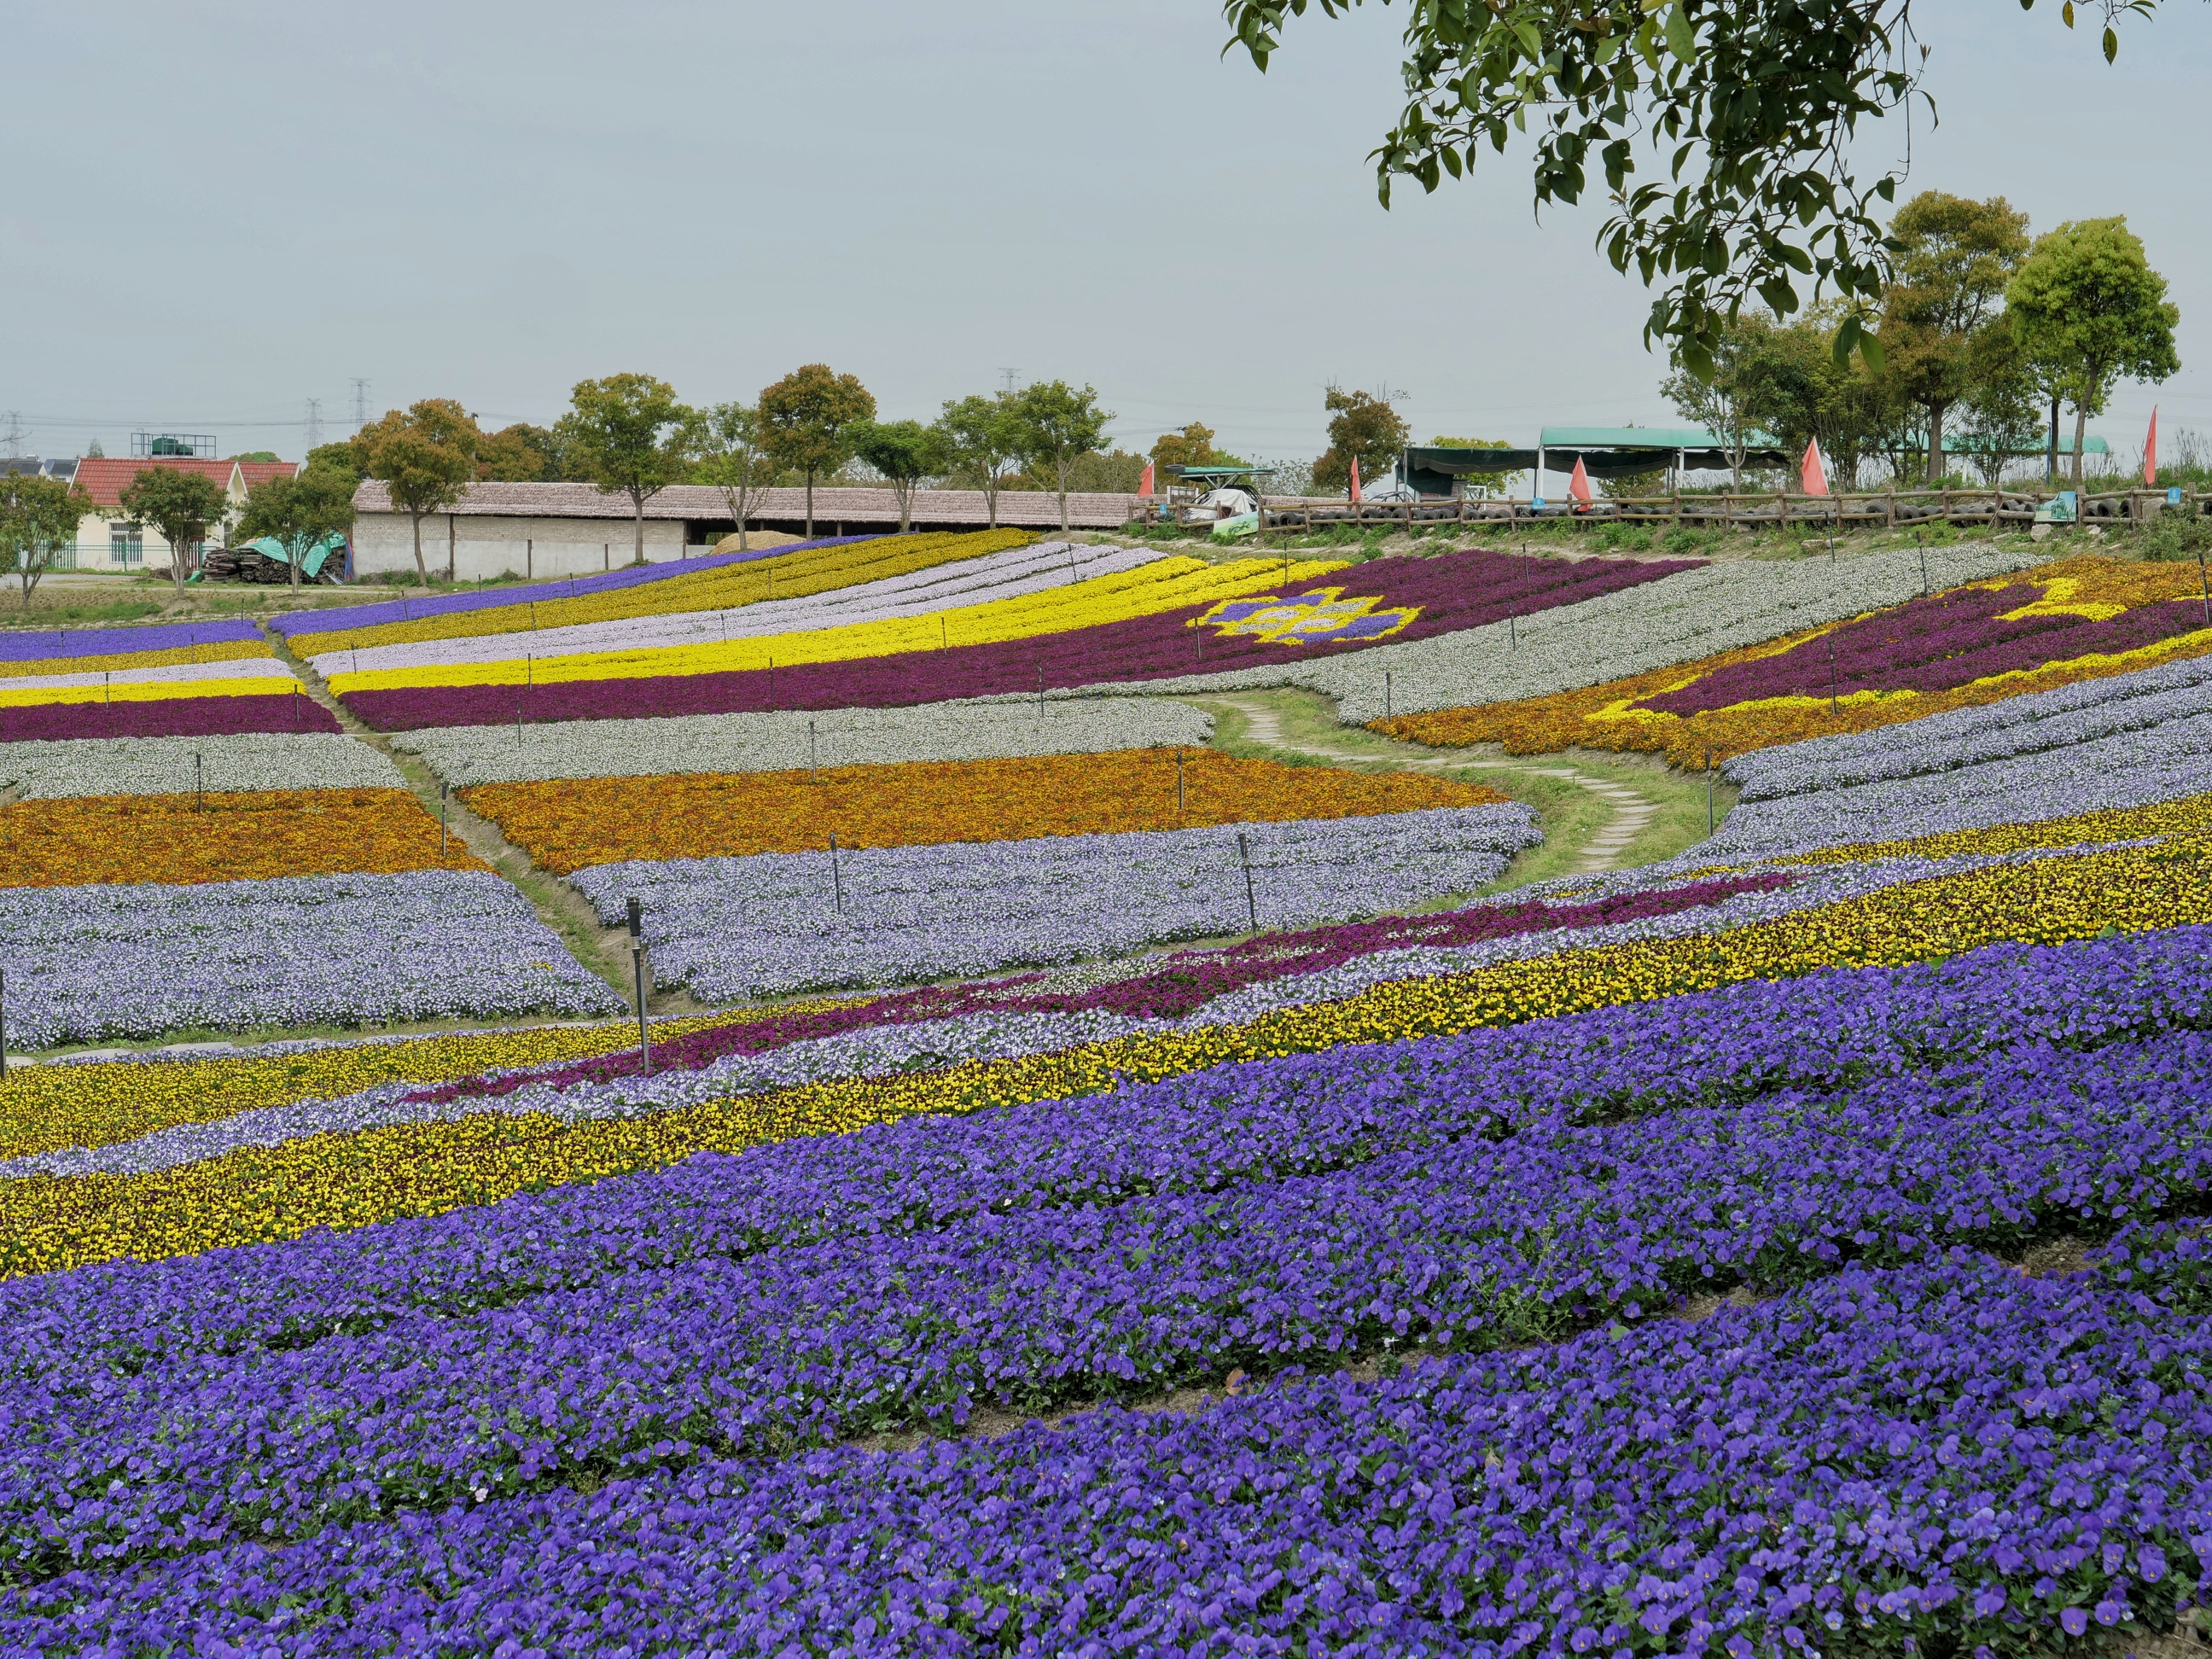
[[1145, 483], [1355, 477], [1578, 486], [1815, 477], [2150, 449]]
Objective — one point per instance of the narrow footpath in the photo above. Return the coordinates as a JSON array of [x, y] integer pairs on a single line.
[[1631, 812]]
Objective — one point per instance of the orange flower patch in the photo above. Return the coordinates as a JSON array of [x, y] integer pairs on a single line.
[[567, 825], [246, 836], [2081, 620]]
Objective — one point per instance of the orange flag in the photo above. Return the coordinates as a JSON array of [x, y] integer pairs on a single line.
[[2150, 449], [1578, 486], [1355, 477], [1145, 483], [1815, 477]]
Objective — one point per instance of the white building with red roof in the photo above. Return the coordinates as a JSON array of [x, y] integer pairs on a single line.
[[108, 539]]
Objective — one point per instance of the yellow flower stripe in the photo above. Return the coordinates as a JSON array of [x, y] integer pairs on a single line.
[[261, 685], [1162, 585], [1610, 715], [44, 1109], [782, 576], [348, 1180], [117, 661]]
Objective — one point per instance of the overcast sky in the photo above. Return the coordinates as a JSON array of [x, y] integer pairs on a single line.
[[220, 210]]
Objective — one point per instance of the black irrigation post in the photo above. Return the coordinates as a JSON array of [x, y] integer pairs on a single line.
[[1178, 783], [2205, 584], [1386, 694], [837, 875], [1832, 677], [1251, 903], [1709, 789], [813, 756], [444, 791], [1923, 545], [1512, 632], [636, 916], [1040, 696], [199, 784]]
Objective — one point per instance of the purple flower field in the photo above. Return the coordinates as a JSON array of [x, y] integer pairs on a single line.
[[615, 1416], [34, 644]]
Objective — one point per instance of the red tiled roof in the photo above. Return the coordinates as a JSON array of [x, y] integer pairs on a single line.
[[833, 505], [104, 479], [253, 472]]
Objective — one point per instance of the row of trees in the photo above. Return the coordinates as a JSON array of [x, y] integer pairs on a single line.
[[1979, 332], [630, 434]]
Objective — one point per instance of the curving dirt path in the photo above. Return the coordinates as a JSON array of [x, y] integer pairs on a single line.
[[1631, 812]]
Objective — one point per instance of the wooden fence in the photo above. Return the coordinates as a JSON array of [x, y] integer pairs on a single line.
[[1890, 508]]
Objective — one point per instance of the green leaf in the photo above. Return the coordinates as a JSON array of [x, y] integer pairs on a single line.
[[2112, 43], [1681, 39]]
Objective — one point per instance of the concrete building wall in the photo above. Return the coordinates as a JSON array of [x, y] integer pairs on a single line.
[[475, 545]]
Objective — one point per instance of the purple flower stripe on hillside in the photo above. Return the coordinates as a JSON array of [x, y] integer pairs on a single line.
[[165, 717], [1934, 644], [1184, 982], [1453, 592], [412, 609], [1301, 1114], [1490, 1233], [1952, 1455], [34, 644]]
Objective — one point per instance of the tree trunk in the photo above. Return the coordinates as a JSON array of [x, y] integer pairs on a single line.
[[905, 492], [2050, 465], [422, 570], [177, 565], [637, 505], [991, 501], [2081, 433], [297, 555], [1063, 501], [810, 504], [1937, 471]]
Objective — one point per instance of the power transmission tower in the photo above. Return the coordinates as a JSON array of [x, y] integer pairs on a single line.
[[314, 423], [14, 435], [359, 403], [1009, 374]]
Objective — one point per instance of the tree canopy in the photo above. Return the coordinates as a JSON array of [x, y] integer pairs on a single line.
[[38, 517], [298, 512], [426, 456], [1360, 424], [630, 436], [904, 453], [1745, 110], [2088, 311], [984, 438], [804, 416], [182, 505], [1058, 425], [1942, 334], [731, 453]]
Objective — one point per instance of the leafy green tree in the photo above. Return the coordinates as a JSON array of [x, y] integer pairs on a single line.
[[631, 437], [426, 457], [1361, 424], [1058, 425], [1716, 402], [1192, 446], [255, 455], [905, 453], [38, 517], [2001, 413], [180, 504], [298, 512], [2089, 311], [984, 438], [347, 461], [1954, 257], [1794, 386], [805, 416], [732, 456], [1751, 106]]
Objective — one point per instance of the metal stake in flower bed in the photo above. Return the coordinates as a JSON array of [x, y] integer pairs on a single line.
[[445, 790], [1512, 632], [1251, 903], [1040, 696], [1178, 784], [813, 756], [2205, 585], [1832, 677], [1708, 790], [1922, 546], [199, 784], [1386, 694], [836, 876], [636, 909]]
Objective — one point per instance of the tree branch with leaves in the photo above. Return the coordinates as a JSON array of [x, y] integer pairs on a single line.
[[38, 517]]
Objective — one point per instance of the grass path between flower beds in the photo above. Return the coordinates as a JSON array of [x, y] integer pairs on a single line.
[[1596, 815]]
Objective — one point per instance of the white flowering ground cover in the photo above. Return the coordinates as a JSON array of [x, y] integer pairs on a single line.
[[884, 1049], [2059, 719], [730, 929], [779, 741], [175, 673], [2131, 740], [88, 963], [163, 766], [1036, 569], [1678, 619]]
